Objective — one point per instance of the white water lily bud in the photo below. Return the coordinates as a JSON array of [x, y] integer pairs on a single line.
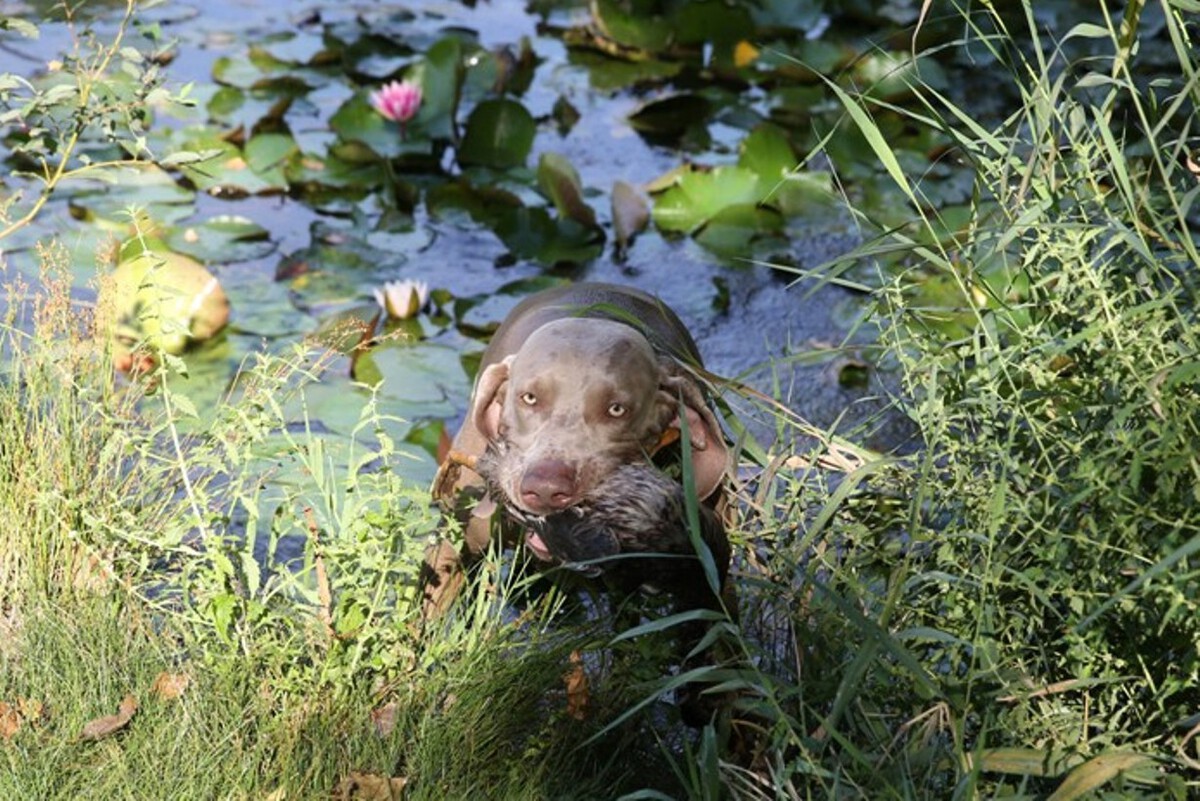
[[402, 299]]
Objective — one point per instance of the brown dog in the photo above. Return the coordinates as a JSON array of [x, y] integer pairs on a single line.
[[577, 383]]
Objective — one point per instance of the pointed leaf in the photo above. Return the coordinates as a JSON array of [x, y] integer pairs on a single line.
[[559, 181]]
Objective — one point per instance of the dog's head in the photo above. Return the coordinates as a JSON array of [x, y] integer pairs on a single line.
[[581, 397]]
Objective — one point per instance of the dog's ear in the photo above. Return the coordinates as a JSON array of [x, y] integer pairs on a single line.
[[710, 454], [487, 402]]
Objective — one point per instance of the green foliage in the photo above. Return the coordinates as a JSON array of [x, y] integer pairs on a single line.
[[1013, 609]]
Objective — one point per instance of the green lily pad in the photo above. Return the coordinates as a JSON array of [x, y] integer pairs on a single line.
[[247, 71], [559, 182], [698, 196], [269, 154], [532, 234], [892, 75], [634, 24], [440, 74], [666, 120], [418, 377], [147, 187], [499, 134], [717, 23], [357, 121], [767, 152], [609, 74], [332, 172], [220, 240], [731, 230]]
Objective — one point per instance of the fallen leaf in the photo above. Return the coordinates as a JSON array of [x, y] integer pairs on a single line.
[[578, 696], [31, 710], [10, 721], [630, 212], [169, 686], [369, 787], [110, 724], [384, 718]]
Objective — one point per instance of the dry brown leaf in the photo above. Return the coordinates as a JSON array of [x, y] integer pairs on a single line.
[[110, 724], [384, 718], [369, 787], [169, 686], [10, 721], [578, 696]]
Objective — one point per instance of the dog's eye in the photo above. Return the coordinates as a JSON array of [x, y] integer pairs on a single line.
[[616, 410], [529, 399]]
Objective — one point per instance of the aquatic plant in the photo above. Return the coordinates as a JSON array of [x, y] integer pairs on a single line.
[[398, 101]]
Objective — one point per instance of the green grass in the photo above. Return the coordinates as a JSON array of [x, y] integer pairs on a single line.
[[1010, 611]]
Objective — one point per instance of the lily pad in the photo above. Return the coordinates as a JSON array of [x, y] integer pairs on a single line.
[[609, 74], [269, 154], [731, 230], [223, 239], [892, 76], [440, 74], [420, 377], [532, 234], [768, 152], [634, 24], [698, 196], [499, 134], [358, 122], [666, 120], [147, 187]]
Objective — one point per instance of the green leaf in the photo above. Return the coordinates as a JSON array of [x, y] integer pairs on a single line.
[[531, 233], [699, 196], [499, 134], [731, 230], [767, 152], [559, 181], [633, 27], [220, 240], [669, 118], [357, 121], [441, 76], [269, 154], [1097, 772], [1025, 761]]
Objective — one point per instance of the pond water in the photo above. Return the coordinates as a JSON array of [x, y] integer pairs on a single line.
[[316, 258]]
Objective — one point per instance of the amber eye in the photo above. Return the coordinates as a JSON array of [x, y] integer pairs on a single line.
[[529, 399], [616, 410]]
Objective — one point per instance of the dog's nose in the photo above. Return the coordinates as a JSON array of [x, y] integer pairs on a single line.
[[548, 486]]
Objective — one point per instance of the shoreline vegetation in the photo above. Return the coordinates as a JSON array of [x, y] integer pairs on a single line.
[[222, 603]]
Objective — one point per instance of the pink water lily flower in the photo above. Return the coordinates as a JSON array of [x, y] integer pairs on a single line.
[[397, 101]]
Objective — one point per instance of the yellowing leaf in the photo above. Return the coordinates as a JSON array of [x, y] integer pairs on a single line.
[[744, 53], [169, 686], [10, 721], [1097, 772], [369, 787], [578, 696]]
